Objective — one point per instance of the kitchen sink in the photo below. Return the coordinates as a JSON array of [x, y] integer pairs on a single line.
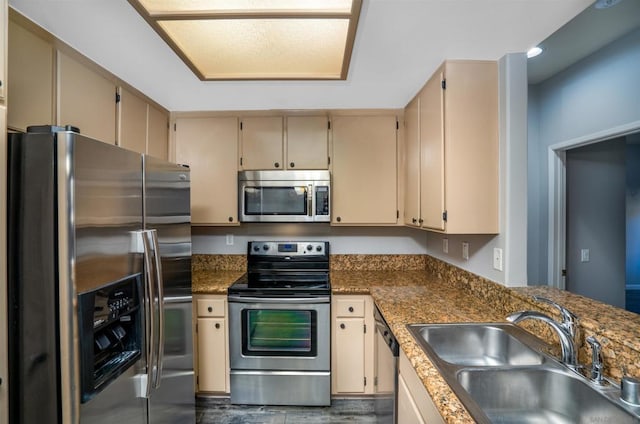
[[502, 374], [539, 395], [478, 344]]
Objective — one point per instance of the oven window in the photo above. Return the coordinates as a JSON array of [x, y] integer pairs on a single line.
[[278, 332], [275, 200]]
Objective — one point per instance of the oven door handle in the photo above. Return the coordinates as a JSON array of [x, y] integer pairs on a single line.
[[280, 300]]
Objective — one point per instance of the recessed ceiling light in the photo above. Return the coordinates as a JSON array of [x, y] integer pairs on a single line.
[[257, 39], [605, 4], [533, 52]]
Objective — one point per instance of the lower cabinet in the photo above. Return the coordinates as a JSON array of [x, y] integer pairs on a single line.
[[212, 344], [415, 406], [352, 334]]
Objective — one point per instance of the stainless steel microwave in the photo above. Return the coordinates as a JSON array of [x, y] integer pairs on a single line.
[[284, 196]]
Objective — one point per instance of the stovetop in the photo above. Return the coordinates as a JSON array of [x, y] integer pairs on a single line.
[[285, 269]]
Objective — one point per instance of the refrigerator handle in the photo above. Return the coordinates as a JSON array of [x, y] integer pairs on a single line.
[[160, 307], [149, 311]]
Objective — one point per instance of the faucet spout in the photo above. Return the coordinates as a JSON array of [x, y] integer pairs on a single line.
[[567, 343]]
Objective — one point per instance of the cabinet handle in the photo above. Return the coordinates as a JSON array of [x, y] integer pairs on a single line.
[[338, 219], [217, 325], [343, 326], [292, 165], [420, 221], [277, 165], [210, 309], [350, 308], [230, 219], [413, 220]]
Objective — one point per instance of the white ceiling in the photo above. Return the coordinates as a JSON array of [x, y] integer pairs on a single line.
[[399, 43]]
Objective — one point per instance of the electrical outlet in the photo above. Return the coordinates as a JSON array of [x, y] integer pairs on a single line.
[[497, 258], [229, 239], [445, 245], [465, 250]]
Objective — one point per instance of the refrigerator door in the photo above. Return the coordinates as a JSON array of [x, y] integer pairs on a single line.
[[167, 210]]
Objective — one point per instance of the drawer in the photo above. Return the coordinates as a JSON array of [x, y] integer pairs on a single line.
[[349, 307], [211, 307]]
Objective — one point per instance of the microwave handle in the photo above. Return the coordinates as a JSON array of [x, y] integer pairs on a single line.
[[310, 195]]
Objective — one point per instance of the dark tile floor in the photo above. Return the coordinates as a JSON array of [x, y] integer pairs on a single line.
[[220, 411]]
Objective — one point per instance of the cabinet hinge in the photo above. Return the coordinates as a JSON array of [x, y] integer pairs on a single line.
[[196, 327], [397, 125], [443, 84], [328, 160], [240, 161], [397, 214], [117, 97], [444, 215], [328, 125], [365, 328], [375, 381], [564, 272], [175, 126], [240, 125], [365, 381], [197, 380]]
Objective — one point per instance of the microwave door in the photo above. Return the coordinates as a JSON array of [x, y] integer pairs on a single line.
[[277, 203]]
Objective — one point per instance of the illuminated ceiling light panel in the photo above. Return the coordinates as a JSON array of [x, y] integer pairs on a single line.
[[258, 39]]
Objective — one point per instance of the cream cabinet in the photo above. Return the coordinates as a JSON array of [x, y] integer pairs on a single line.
[[142, 127], [364, 170], [31, 86], [4, 11], [459, 149], [415, 406], [212, 341], [307, 142], [86, 99], [262, 139], [284, 142], [352, 346], [209, 145], [412, 215]]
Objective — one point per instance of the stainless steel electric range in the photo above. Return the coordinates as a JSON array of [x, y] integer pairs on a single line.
[[279, 325]]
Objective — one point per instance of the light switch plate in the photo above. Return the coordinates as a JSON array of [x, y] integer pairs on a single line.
[[229, 239], [497, 258], [445, 245], [465, 250], [584, 255]]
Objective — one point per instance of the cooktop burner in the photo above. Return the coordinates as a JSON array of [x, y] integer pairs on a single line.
[[285, 269]]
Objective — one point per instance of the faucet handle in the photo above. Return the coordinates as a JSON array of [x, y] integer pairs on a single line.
[[597, 365], [567, 315]]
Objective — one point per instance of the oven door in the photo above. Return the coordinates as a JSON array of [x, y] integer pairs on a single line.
[[279, 333]]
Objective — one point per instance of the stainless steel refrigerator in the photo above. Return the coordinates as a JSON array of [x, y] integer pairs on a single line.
[[90, 335]]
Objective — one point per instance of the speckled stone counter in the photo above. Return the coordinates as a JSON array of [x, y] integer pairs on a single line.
[[441, 293]]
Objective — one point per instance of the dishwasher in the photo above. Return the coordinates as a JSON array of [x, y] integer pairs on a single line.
[[386, 372]]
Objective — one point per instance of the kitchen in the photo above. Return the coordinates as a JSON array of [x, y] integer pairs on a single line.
[[390, 239]]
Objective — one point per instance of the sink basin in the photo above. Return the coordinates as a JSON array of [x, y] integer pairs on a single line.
[[539, 396], [477, 344]]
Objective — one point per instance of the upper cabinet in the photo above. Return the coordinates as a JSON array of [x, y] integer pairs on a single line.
[[412, 163], [307, 142], [278, 142], [30, 88], [364, 177], [458, 138], [209, 146], [142, 127], [262, 140], [86, 99]]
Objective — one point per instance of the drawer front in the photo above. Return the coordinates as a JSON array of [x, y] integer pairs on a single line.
[[350, 307], [211, 307]]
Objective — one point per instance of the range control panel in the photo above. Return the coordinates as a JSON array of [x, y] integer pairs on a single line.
[[298, 248]]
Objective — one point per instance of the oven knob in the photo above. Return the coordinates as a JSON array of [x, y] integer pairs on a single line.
[[309, 247], [265, 247], [319, 248], [256, 248]]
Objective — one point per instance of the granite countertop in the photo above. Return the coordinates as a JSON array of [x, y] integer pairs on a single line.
[[409, 297]]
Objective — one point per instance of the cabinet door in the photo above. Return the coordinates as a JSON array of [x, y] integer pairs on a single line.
[[210, 147], [158, 133], [133, 122], [432, 153], [212, 357], [412, 163], [349, 357], [364, 185], [31, 83], [262, 143], [86, 100], [408, 412], [307, 142]]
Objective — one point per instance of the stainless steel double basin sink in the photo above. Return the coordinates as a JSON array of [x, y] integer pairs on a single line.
[[501, 375]]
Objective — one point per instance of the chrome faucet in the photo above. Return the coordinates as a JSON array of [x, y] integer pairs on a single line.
[[597, 365], [567, 330]]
